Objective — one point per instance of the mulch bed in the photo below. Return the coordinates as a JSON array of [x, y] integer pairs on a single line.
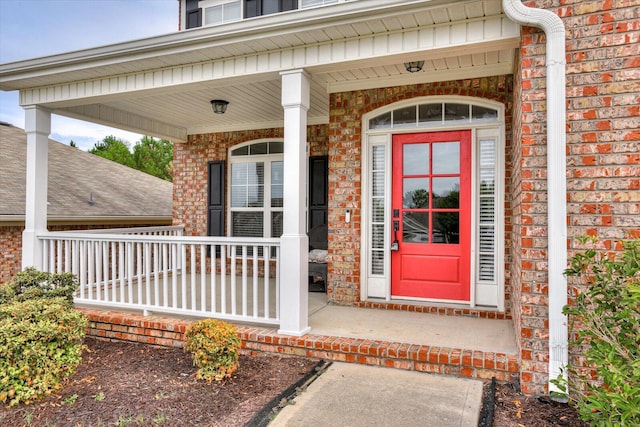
[[514, 409], [129, 384]]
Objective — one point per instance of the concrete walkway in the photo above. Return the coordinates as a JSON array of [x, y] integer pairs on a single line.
[[358, 395]]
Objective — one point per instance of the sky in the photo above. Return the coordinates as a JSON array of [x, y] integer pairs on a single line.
[[36, 28]]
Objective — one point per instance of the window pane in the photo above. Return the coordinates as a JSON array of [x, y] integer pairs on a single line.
[[377, 262], [378, 210], [311, 3], [378, 158], [270, 6], [446, 193], [276, 224], [232, 11], [446, 158], [276, 147], [483, 114], [456, 112], [486, 267], [380, 122], [404, 117], [446, 227], [377, 238], [247, 185], [242, 151], [247, 224], [415, 227], [430, 114], [378, 183], [213, 15], [259, 148], [415, 159], [416, 193], [277, 184]]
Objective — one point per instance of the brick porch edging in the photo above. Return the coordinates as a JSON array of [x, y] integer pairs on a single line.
[[169, 332]]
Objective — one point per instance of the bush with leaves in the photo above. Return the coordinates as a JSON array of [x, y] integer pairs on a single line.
[[31, 283], [40, 345], [608, 314], [215, 347]]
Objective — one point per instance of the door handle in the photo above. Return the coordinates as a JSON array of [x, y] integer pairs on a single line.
[[395, 243]]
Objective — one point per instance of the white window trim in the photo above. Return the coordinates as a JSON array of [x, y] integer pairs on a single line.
[[481, 129], [267, 159]]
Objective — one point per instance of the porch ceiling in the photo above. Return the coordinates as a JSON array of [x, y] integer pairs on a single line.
[[163, 86]]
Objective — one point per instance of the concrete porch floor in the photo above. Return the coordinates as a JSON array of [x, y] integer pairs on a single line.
[[489, 335]]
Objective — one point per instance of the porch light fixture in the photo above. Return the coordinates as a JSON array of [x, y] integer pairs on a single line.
[[414, 66], [219, 106]]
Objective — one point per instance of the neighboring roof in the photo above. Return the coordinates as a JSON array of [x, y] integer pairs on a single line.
[[119, 192]]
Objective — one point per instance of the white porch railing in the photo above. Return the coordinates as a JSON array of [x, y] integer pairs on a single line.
[[156, 269]]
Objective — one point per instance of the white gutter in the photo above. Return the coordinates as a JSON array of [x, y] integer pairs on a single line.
[[553, 27]]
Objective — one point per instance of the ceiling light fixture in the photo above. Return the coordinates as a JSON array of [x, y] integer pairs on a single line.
[[219, 106], [414, 66]]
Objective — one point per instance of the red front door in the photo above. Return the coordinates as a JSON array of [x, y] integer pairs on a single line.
[[431, 219]]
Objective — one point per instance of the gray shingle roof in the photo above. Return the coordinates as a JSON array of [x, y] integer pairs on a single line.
[[119, 192]]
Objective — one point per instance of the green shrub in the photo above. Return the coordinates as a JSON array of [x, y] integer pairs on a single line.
[[608, 315], [215, 347], [31, 283], [40, 345]]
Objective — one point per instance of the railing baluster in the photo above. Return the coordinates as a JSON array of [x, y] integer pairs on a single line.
[[232, 261], [255, 280], [174, 276], [192, 272], [267, 281], [156, 274], [244, 280], [99, 262], [147, 274], [113, 253], [121, 269], [165, 275], [138, 271], [90, 269], [203, 278], [214, 278], [223, 278]]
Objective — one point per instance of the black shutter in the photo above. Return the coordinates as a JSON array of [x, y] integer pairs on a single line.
[[318, 190], [194, 18], [289, 5], [251, 8], [215, 200], [193, 14]]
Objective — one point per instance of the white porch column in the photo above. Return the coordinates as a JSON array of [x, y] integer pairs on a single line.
[[294, 288], [38, 128]]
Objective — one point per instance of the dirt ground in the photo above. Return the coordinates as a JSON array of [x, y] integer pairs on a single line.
[[514, 409], [128, 384]]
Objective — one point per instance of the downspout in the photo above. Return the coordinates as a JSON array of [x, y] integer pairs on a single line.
[[553, 27]]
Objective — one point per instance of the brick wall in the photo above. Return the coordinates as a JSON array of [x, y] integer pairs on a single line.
[[11, 244], [603, 148], [345, 163]]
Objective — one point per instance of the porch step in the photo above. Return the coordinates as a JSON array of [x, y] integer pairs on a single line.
[[445, 360]]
